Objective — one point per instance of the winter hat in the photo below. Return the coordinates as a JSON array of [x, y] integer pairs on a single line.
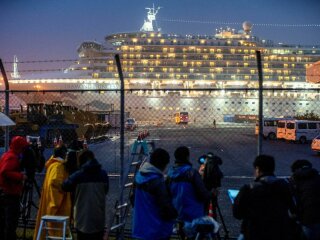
[[18, 144]]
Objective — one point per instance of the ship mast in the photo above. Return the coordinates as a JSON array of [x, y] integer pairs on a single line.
[[15, 73], [148, 24]]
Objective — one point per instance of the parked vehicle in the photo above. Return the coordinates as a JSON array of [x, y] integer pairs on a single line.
[[130, 124], [281, 128], [302, 130], [315, 145], [269, 127], [181, 117]]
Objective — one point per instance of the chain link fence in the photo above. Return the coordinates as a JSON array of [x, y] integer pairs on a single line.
[[220, 121]]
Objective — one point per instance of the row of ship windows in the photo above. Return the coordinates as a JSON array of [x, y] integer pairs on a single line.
[[184, 65], [253, 110], [201, 56], [216, 43], [204, 109], [192, 49]]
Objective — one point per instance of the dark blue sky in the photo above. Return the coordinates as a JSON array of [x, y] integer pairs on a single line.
[[52, 29]]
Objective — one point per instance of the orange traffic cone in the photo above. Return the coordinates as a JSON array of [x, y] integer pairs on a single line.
[[211, 214]]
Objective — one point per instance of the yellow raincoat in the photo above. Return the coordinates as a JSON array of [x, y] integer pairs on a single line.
[[53, 200]]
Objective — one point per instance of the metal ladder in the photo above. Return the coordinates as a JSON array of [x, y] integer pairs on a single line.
[[138, 155], [61, 220]]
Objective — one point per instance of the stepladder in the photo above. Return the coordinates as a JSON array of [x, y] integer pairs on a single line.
[[54, 227], [139, 153]]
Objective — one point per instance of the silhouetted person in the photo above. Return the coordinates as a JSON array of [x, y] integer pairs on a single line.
[[306, 188], [187, 188], [154, 213], [264, 204], [53, 200], [11, 186], [91, 185]]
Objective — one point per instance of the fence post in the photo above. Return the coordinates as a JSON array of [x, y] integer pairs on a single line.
[[260, 134], [117, 58], [6, 108]]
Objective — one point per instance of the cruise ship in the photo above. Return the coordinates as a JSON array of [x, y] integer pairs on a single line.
[[201, 74]]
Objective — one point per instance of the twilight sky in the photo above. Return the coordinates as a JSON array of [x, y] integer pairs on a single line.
[[53, 29]]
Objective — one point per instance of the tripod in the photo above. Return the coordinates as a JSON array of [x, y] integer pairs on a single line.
[[26, 202], [226, 232]]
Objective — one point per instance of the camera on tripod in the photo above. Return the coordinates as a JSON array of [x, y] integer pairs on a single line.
[[212, 174], [32, 158]]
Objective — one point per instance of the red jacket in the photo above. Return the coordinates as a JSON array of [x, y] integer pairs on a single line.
[[11, 178]]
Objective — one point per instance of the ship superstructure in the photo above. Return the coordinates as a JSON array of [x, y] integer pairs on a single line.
[[154, 60]]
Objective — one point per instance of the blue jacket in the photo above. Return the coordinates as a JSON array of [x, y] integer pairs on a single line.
[[90, 184], [153, 212], [188, 192]]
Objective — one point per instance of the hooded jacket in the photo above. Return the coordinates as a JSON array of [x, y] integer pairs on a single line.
[[188, 192], [307, 193], [154, 213], [263, 206], [11, 178], [53, 200], [90, 185]]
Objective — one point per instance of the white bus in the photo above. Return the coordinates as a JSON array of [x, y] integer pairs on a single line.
[[269, 127], [302, 130]]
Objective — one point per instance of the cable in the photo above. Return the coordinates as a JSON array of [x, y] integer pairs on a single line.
[[239, 23]]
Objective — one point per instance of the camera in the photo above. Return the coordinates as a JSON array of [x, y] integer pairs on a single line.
[[202, 159], [212, 174], [32, 158]]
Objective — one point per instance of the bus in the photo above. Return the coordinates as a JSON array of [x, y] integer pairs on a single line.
[[281, 128], [181, 117], [269, 127], [302, 130]]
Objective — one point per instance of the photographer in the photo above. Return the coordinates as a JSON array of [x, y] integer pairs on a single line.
[[11, 185], [212, 176]]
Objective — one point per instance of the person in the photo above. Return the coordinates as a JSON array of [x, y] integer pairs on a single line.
[[91, 185], [74, 150], [264, 204], [11, 187], [214, 123], [306, 188], [153, 212], [187, 188], [212, 176], [53, 200]]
